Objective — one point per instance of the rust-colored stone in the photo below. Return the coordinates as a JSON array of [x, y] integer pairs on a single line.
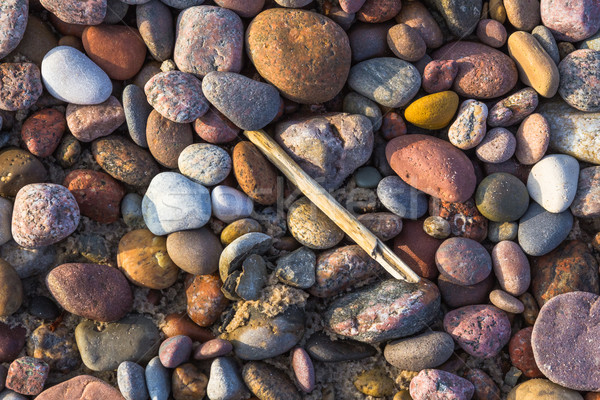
[[205, 301], [256, 176], [42, 131], [464, 218]]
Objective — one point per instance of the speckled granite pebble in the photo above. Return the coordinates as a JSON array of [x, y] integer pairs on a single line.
[[469, 128], [27, 375], [498, 146], [41, 132], [83, 385], [131, 381], [587, 198], [579, 79], [311, 227], [91, 12], [20, 85], [13, 21], [571, 21], [204, 163], [513, 108], [435, 384], [90, 122]]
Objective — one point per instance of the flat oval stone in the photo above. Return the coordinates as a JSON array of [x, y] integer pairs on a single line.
[[42, 131], [93, 291], [434, 111], [384, 225], [20, 85], [534, 389], [480, 330], [544, 36], [215, 128], [195, 251], [124, 161], [552, 182], [469, 128], [587, 198], [460, 295], [437, 384], [303, 38], [417, 16], [401, 199], [506, 302], [521, 353], [133, 338], [513, 108], [269, 382], [132, 381], [255, 174], [225, 381], [18, 169], [383, 311], [90, 122], [511, 267], [568, 356], [229, 204], [158, 379], [181, 324], [445, 172], [212, 349], [311, 227], [155, 24], [75, 12], [502, 197], [167, 139], [556, 228], [569, 21], [79, 388], [463, 261], [70, 76], [304, 370], [322, 348], [406, 42], [579, 79], [13, 25], [208, 38], [533, 138], [137, 110], [492, 32], [205, 300], [427, 350], [204, 163], [177, 96], [175, 350], [388, 81], [173, 203], [11, 289], [497, 146]]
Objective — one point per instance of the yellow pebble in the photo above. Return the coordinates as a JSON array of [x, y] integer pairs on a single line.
[[497, 10], [375, 382], [434, 111], [402, 395]]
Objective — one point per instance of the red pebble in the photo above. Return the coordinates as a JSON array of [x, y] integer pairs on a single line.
[[42, 131], [303, 369], [213, 349], [215, 128], [27, 375], [521, 353], [439, 75], [392, 126], [485, 388]]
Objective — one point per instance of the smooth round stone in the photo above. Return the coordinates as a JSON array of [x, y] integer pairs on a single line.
[[432, 384], [131, 381], [497, 146], [542, 389], [406, 42], [387, 81], [155, 24], [439, 75], [460, 295], [511, 267], [304, 370], [255, 174], [177, 96], [304, 38], [368, 40], [568, 356], [175, 351], [131, 209], [297, 268], [269, 381], [417, 249], [42, 131], [469, 128], [167, 139], [208, 39], [556, 228], [433, 166], [434, 111], [491, 32], [27, 375], [545, 38], [524, 15], [196, 252], [480, 330], [225, 381], [321, 348], [188, 382], [212, 349], [243, 8], [11, 289], [44, 308], [44, 214], [463, 261], [375, 382], [401, 199], [70, 76], [204, 163], [6, 208], [506, 302], [464, 218], [502, 197], [173, 203], [12, 25], [427, 350], [354, 103], [215, 128], [587, 198], [74, 12], [77, 288], [552, 182], [158, 380], [12, 341], [20, 87], [417, 16], [93, 387], [90, 122], [483, 72], [239, 228], [115, 11], [521, 353], [249, 104], [181, 324], [311, 227], [136, 110], [568, 21], [18, 169], [437, 227], [367, 177], [229, 204], [485, 387], [533, 138], [579, 83], [205, 300], [513, 108]]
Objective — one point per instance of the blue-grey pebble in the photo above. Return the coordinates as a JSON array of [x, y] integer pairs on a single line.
[[115, 11], [541, 231], [8, 394], [367, 177], [158, 380], [205, 163], [131, 209], [28, 262], [132, 381], [401, 198], [175, 203], [137, 111], [181, 4], [249, 104], [155, 23], [388, 81], [225, 381], [545, 38], [297, 269], [70, 76], [354, 103]]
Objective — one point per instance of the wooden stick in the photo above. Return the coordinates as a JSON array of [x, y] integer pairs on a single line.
[[338, 214]]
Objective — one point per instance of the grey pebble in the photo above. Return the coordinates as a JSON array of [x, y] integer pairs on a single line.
[[115, 11], [131, 209], [544, 36], [427, 350], [158, 32], [137, 111], [401, 198], [321, 348], [225, 381], [541, 231], [28, 262], [158, 380], [205, 163], [8, 394], [297, 269], [132, 381], [354, 103], [181, 4]]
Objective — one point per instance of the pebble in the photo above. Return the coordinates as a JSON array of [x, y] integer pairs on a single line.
[[351, 6], [483, 72], [485, 387], [235, 253], [444, 172], [513, 109], [44, 308], [506, 302], [87, 123], [243, 8], [303, 369], [42, 131], [464, 218], [524, 15], [269, 382], [375, 11], [204, 163], [542, 388], [229, 204], [256, 176], [12, 341], [568, 356], [134, 337], [13, 25], [225, 381], [28, 262], [6, 207], [521, 353], [533, 138], [499, 231], [249, 104], [552, 182], [44, 214], [212, 349], [27, 375], [68, 151], [375, 382], [131, 210], [460, 17], [387, 299], [556, 228], [388, 81], [401, 199], [579, 79], [20, 86], [586, 203], [182, 4], [439, 75], [158, 380], [492, 33], [568, 21], [11, 289], [115, 11], [427, 350], [192, 208], [392, 126], [434, 111], [480, 330], [321, 348], [248, 283], [545, 38], [502, 197], [406, 43], [354, 103], [460, 295], [433, 384], [93, 387], [136, 110], [329, 147], [18, 169], [195, 251], [131, 380], [369, 40], [167, 139], [175, 351], [215, 128], [384, 225], [311, 227], [188, 383], [70, 76], [88, 13], [8, 394], [297, 268], [155, 25], [239, 228], [463, 261], [205, 301], [97, 194], [437, 227], [181, 324], [417, 249], [498, 146], [511, 267], [469, 128]]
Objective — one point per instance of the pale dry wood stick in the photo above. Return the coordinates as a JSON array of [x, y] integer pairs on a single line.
[[326, 203]]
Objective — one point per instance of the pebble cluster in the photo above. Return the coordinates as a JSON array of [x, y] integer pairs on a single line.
[[149, 251]]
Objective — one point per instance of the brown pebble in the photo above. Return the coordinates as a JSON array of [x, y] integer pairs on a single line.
[[167, 139], [257, 176], [196, 251], [181, 324], [406, 43], [188, 383], [42, 131], [17, 169], [205, 301]]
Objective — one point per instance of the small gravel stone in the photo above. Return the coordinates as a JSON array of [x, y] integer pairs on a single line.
[[229, 204], [225, 381], [175, 351], [506, 302], [497, 146], [400, 198], [212, 349], [463, 261], [297, 269]]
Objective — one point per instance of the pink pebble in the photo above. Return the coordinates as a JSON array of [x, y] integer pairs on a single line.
[[213, 349], [491, 32], [435, 384], [303, 369], [439, 75], [511, 267], [175, 351]]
